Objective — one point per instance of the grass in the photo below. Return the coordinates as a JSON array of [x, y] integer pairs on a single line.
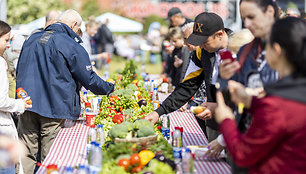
[[117, 63]]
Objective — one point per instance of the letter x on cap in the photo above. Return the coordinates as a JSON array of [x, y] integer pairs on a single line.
[[205, 25]]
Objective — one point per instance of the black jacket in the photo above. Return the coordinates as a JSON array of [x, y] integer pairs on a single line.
[[199, 69]]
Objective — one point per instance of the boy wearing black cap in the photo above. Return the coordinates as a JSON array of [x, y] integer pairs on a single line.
[[208, 33], [177, 18]]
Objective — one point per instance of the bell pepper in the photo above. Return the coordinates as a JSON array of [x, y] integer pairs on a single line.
[[145, 156]]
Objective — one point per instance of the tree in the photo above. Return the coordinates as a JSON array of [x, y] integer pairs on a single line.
[[90, 8], [25, 11]]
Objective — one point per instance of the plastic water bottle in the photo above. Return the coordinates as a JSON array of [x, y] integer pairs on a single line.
[[85, 96], [82, 170], [148, 77], [106, 72], [92, 138], [143, 72], [165, 127], [177, 138], [187, 163], [100, 135], [155, 100], [68, 170], [95, 159], [89, 150], [145, 84], [92, 134], [177, 146], [152, 86]]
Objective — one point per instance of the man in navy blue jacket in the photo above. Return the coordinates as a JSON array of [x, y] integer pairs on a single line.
[[52, 68]]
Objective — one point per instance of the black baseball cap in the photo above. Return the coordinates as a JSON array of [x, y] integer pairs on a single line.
[[173, 11], [205, 25]]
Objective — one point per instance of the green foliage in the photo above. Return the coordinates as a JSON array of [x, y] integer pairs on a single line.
[[130, 68], [132, 87], [129, 73], [153, 18], [91, 7], [128, 93], [114, 150], [25, 11], [162, 146]]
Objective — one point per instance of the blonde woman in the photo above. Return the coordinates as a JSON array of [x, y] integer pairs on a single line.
[[91, 29]]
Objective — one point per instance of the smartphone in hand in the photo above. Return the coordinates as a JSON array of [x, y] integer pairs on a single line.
[[226, 55]]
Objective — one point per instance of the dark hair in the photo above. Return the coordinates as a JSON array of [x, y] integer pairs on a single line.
[[263, 4], [290, 34], [4, 28]]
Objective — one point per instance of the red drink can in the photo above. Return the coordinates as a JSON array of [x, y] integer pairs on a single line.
[[90, 118]]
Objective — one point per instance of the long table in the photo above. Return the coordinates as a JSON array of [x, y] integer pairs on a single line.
[[193, 135], [69, 147]]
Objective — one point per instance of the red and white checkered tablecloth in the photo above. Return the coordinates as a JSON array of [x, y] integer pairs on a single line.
[[193, 135], [69, 147]]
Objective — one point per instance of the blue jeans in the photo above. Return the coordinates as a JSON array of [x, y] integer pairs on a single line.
[[8, 170]]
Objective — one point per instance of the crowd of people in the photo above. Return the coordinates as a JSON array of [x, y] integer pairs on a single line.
[[263, 88], [255, 104], [52, 67]]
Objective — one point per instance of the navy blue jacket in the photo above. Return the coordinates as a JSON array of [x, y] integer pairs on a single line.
[[250, 66], [52, 67], [253, 75]]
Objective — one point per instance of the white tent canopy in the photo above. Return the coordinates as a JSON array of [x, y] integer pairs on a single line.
[[28, 28], [120, 24], [116, 24]]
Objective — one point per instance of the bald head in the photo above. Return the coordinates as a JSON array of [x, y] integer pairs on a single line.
[[71, 18], [51, 17]]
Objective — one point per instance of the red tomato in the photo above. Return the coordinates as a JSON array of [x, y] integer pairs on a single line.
[[136, 169], [124, 162], [135, 159], [118, 119]]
